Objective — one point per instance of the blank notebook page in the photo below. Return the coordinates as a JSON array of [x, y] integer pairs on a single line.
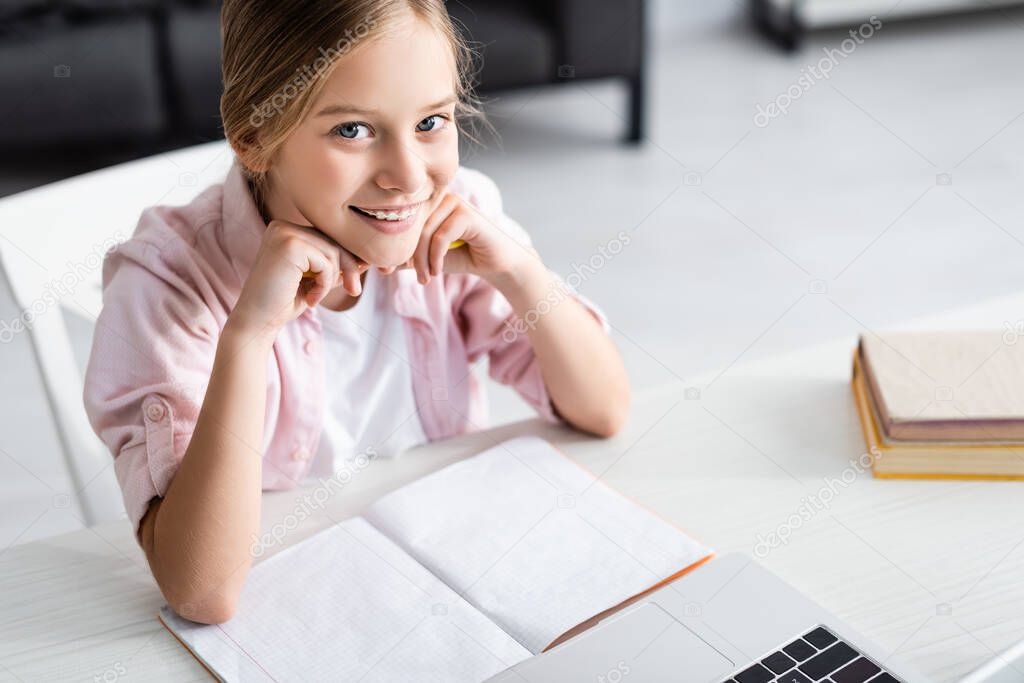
[[348, 605], [532, 539]]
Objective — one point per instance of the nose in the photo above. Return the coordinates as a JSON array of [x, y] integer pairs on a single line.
[[401, 170]]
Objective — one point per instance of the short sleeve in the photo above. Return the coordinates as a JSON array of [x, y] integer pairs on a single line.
[[152, 353]]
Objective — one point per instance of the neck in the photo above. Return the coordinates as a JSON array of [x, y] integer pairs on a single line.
[[258, 200]]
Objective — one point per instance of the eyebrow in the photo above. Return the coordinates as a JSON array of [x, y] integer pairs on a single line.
[[335, 109]]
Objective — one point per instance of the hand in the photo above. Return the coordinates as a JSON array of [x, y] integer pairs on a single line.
[[487, 251], [275, 291]]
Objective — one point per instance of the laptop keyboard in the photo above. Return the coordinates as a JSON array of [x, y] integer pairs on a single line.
[[818, 655]]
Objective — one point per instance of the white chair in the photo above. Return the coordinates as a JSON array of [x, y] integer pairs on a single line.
[[57, 234]]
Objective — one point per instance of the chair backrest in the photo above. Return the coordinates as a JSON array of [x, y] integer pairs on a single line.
[[52, 242]]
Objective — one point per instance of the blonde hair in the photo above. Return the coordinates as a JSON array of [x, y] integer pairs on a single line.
[[278, 54]]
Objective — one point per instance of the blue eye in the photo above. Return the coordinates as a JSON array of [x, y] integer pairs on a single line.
[[419, 126], [350, 130]]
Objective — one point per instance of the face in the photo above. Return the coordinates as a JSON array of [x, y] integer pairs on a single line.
[[380, 137]]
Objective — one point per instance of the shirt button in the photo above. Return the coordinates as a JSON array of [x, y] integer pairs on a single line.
[[301, 454], [309, 347], [155, 412]]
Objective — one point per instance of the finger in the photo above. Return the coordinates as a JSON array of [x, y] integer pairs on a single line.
[[346, 263], [419, 256], [319, 234], [350, 273], [329, 244], [442, 239], [422, 254], [325, 276], [320, 241]]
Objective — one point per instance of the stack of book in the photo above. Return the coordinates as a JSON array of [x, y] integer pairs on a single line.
[[947, 405]]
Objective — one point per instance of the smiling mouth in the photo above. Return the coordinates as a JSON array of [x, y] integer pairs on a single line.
[[390, 216]]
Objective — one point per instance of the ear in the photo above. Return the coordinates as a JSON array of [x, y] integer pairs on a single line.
[[251, 154], [253, 158]]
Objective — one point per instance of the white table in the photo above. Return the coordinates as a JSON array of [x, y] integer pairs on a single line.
[[929, 569]]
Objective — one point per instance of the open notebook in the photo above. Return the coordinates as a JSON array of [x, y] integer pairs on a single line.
[[454, 577]]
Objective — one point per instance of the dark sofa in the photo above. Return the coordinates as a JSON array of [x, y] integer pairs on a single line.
[[145, 74]]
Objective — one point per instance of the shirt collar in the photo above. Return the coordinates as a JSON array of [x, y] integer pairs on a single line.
[[243, 225]]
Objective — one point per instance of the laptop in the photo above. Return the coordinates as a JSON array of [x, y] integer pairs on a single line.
[[727, 620]]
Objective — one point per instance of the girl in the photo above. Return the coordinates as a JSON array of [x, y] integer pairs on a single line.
[[235, 352]]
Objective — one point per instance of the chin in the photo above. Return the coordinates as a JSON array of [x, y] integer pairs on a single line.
[[387, 252]]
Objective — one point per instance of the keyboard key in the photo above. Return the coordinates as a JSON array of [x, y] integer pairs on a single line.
[[799, 650], [857, 671], [885, 678], [824, 663], [754, 674], [778, 662], [820, 638], [793, 676]]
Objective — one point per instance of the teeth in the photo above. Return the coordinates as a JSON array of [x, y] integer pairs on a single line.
[[390, 215]]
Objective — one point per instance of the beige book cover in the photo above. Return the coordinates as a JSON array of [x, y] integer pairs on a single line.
[[942, 386]]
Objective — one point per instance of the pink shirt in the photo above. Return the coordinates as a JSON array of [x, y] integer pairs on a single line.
[[167, 293]]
